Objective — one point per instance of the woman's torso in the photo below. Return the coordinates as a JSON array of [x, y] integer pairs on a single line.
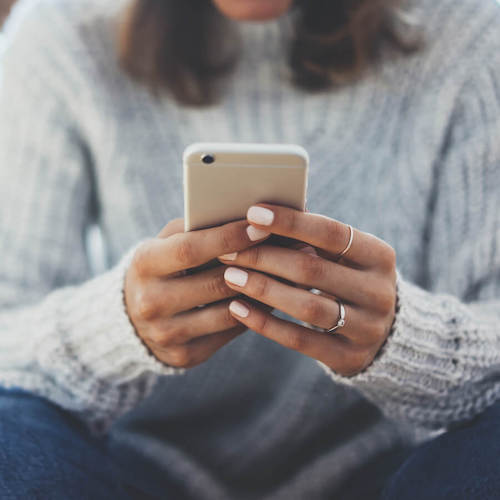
[[257, 420]]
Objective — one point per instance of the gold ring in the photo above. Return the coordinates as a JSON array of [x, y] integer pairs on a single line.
[[351, 237]]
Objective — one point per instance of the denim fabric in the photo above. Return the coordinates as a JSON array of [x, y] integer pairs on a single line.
[[46, 454], [462, 464]]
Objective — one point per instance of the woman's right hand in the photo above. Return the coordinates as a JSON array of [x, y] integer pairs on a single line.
[[162, 300]]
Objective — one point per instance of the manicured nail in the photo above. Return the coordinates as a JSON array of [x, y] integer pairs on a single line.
[[256, 234], [309, 250], [236, 276], [260, 215], [229, 256], [239, 309]]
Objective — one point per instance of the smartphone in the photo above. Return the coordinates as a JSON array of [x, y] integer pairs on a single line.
[[222, 180]]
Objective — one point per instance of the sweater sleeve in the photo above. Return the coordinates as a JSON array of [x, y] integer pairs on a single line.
[[441, 363], [63, 336]]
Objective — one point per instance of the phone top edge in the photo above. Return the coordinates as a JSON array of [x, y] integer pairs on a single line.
[[244, 148]]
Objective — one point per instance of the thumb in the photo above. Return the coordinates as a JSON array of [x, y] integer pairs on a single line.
[[173, 227]]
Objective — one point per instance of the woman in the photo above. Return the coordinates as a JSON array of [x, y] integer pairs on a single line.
[[119, 385]]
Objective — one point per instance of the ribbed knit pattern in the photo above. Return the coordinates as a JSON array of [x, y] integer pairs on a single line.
[[411, 153]]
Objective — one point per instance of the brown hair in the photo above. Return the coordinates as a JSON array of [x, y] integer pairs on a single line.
[[186, 46], [5, 6]]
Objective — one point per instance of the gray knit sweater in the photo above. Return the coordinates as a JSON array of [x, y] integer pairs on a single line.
[[411, 153]]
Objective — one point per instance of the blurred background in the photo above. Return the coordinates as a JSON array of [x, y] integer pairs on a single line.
[[94, 240]]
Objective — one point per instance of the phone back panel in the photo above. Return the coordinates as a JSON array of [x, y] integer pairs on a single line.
[[240, 176]]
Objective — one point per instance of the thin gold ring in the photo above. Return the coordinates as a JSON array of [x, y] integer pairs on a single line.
[[351, 237]]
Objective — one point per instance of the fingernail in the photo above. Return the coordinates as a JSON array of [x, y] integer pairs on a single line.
[[229, 256], [260, 215], [309, 250], [256, 234], [236, 276], [239, 309]]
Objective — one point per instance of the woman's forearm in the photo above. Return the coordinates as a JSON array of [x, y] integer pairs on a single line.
[[78, 348], [440, 364]]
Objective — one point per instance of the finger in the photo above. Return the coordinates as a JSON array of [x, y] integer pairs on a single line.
[[173, 227], [336, 351], [197, 350], [198, 322], [303, 305], [328, 234], [300, 304], [302, 247], [362, 288], [169, 297], [161, 257]]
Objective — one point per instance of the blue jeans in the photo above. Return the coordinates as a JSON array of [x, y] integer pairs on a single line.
[[46, 454]]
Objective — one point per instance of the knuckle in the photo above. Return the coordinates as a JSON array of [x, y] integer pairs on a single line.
[[380, 298], [296, 341], [335, 235], [216, 286], [174, 333], [179, 356], [253, 256], [184, 252], [157, 337], [259, 286], [262, 324], [228, 240], [310, 268], [145, 306], [385, 299], [388, 258], [312, 311]]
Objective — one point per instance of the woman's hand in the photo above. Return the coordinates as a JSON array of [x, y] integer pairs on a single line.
[[162, 301], [364, 280]]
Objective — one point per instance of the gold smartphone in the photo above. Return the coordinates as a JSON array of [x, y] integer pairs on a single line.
[[222, 180]]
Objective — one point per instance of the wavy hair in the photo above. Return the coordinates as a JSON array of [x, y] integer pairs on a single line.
[[187, 46]]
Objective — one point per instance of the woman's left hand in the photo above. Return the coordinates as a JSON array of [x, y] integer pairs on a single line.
[[364, 280]]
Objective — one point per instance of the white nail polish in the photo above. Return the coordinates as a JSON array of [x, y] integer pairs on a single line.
[[256, 234], [260, 215], [229, 256], [239, 309], [236, 276]]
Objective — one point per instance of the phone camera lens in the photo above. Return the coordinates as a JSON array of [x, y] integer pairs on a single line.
[[207, 159]]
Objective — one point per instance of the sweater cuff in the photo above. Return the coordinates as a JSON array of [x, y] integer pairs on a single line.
[[116, 340], [95, 349], [421, 356]]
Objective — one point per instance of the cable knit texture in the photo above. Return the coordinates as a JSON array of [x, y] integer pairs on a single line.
[[410, 153]]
